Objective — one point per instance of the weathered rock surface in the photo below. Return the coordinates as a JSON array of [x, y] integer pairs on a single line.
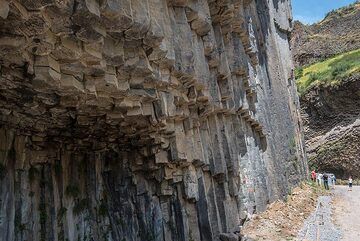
[[144, 120], [337, 33], [332, 127]]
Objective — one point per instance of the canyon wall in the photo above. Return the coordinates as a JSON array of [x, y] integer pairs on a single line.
[[330, 106], [332, 127], [144, 120]]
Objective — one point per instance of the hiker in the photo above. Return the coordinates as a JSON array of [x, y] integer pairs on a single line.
[[326, 181], [333, 180], [350, 183], [320, 177], [313, 176]]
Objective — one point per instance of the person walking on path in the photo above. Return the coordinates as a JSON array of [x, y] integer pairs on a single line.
[[313, 176], [350, 183], [326, 179], [320, 179], [333, 181]]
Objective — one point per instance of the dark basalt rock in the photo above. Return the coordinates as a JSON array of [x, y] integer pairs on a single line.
[[144, 120], [332, 127]]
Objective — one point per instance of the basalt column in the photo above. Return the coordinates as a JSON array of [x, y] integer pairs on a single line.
[[141, 120]]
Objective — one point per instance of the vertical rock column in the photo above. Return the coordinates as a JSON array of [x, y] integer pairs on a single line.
[[144, 120]]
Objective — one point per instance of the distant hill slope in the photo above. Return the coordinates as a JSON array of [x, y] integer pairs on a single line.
[[337, 33], [329, 72]]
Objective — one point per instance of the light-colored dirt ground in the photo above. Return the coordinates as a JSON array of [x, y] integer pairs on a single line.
[[346, 210], [282, 220]]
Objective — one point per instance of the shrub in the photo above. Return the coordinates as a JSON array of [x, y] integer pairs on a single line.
[[299, 72], [340, 70], [313, 77]]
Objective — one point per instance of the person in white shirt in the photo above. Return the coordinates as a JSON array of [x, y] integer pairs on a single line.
[[320, 179], [350, 183]]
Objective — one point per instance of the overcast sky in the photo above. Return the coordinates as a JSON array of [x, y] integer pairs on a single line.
[[311, 11]]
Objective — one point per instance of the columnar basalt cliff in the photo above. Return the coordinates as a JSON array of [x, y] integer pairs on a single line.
[[144, 120], [332, 127]]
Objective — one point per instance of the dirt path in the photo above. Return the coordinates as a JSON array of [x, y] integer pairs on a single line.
[[320, 226], [346, 211]]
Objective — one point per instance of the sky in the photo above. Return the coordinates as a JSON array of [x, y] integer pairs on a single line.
[[311, 11]]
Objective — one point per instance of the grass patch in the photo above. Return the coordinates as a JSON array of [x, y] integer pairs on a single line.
[[331, 71]]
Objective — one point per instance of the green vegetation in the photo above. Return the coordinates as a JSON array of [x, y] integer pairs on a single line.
[[328, 72]]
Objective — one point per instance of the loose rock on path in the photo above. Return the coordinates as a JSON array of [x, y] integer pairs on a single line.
[[347, 212], [319, 226], [336, 218]]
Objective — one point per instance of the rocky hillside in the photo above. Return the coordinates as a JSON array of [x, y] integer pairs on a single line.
[[329, 90], [331, 117], [337, 33], [134, 120]]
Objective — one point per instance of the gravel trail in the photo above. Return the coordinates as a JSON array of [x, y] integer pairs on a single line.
[[347, 212], [336, 218], [320, 226]]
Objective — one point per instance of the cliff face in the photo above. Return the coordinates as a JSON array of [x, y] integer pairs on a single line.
[[337, 33], [330, 98], [144, 120], [332, 127]]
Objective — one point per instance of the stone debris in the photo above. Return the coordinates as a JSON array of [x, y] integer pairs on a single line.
[[144, 120], [319, 226], [283, 220]]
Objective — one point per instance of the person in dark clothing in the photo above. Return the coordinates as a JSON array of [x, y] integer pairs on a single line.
[[326, 179]]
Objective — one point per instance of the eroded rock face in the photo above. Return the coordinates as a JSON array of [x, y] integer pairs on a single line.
[[144, 120], [332, 127]]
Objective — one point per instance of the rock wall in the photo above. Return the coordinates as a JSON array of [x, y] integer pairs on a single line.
[[144, 120], [332, 127]]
